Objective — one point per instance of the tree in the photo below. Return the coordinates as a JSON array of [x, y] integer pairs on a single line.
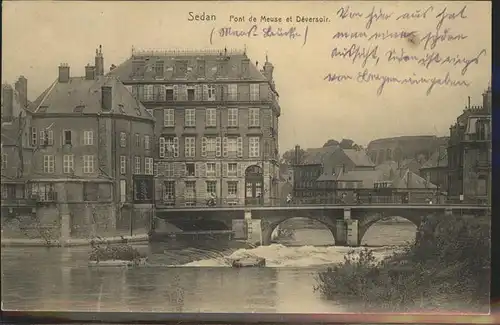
[[331, 143], [347, 144], [288, 157]]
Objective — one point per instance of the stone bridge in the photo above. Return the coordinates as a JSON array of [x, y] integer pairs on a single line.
[[344, 221]]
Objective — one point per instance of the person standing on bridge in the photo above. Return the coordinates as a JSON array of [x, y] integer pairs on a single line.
[[289, 198]]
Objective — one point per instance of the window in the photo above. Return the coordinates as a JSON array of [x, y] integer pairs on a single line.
[[254, 117], [4, 161], [169, 117], [88, 138], [254, 92], [46, 137], [123, 139], [190, 169], [44, 191], [123, 190], [198, 93], [232, 92], [148, 93], [169, 147], [123, 165], [211, 187], [67, 137], [254, 147], [169, 94], [159, 69], [190, 117], [169, 191], [33, 136], [210, 92], [232, 147], [146, 142], [189, 147], [137, 140], [190, 94], [232, 189], [68, 164], [211, 117], [232, 169], [48, 163], [211, 147], [148, 166], [169, 170], [211, 172], [88, 164], [137, 166], [232, 117], [190, 192]]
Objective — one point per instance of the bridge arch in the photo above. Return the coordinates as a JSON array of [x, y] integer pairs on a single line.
[[370, 219], [268, 226]]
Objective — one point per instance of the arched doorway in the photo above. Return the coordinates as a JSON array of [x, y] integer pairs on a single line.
[[254, 185]]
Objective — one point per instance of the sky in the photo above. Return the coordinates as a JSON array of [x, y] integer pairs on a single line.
[[38, 36]]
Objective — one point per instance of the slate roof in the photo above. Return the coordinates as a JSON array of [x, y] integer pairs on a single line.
[[212, 59], [359, 157], [317, 156], [438, 159], [82, 96], [411, 180]]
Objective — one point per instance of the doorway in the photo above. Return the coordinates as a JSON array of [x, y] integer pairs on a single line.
[[254, 185]]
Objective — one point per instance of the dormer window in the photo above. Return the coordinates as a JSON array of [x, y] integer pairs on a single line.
[[121, 108], [138, 111]]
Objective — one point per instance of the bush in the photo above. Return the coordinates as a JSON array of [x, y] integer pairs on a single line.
[[450, 259], [122, 252]]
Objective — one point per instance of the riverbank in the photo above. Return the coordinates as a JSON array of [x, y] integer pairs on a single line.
[[38, 242], [449, 261]]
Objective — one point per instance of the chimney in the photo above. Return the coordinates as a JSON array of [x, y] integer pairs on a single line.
[[268, 70], [8, 102], [112, 67], [245, 63], [487, 100], [90, 72], [64, 73], [22, 90], [106, 98], [99, 62], [297, 155]]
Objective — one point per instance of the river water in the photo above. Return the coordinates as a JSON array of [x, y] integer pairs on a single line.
[[186, 279]]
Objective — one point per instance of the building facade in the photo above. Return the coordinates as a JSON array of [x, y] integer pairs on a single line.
[[217, 124], [93, 153], [469, 154]]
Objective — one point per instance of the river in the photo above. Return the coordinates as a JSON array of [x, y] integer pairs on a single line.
[[185, 279]]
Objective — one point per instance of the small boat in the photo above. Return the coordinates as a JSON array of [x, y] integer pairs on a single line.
[[249, 262], [107, 263]]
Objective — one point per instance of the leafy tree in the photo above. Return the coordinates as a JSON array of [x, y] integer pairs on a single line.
[[288, 157], [347, 144], [331, 143]]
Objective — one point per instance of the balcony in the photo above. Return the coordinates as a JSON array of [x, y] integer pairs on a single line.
[[45, 197]]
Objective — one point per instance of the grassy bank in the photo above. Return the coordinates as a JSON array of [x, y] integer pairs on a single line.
[[449, 262]]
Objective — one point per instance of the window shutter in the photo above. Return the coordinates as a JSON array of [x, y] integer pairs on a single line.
[[205, 92], [203, 146], [198, 92], [175, 92], [186, 147], [224, 169], [218, 146], [51, 137], [240, 147], [240, 169], [42, 137], [217, 169], [182, 170], [197, 169], [162, 147], [176, 147], [224, 147], [203, 170]]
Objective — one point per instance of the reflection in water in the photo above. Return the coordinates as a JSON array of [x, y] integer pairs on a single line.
[[59, 279]]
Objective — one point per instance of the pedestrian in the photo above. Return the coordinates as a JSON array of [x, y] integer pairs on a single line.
[[370, 198], [289, 198]]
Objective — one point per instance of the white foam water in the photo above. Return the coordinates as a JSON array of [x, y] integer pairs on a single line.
[[278, 255]]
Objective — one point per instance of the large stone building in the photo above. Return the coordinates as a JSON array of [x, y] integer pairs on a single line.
[[469, 154], [217, 124], [92, 153]]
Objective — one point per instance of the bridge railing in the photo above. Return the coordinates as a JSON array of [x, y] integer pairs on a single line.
[[277, 202]]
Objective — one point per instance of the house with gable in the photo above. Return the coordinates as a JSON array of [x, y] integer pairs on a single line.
[[93, 154]]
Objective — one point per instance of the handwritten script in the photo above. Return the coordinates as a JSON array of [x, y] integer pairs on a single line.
[[377, 41], [269, 31]]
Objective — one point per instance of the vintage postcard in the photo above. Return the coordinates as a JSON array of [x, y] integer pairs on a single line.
[[246, 157]]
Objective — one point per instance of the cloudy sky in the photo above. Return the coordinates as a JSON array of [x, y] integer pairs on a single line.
[[37, 36]]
